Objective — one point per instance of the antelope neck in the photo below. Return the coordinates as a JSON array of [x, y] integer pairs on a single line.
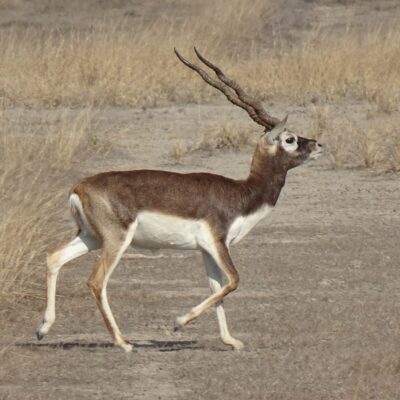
[[265, 182]]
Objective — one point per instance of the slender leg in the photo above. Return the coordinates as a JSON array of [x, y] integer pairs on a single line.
[[215, 279], [110, 256], [223, 261], [82, 244]]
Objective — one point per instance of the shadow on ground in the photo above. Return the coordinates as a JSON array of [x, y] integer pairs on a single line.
[[151, 344]]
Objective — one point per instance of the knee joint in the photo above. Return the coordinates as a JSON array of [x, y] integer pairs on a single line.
[[234, 282]]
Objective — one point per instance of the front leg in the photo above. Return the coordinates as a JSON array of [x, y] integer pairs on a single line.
[[214, 274], [219, 253]]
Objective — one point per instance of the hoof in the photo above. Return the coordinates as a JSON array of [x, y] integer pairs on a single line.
[[42, 330], [39, 335], [178, 325], [126, 346], [238, 345]]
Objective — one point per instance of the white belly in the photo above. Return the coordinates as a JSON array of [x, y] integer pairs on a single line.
[[157, 230], [241, 226]]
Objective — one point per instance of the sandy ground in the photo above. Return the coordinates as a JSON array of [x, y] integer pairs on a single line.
[[317, 304]]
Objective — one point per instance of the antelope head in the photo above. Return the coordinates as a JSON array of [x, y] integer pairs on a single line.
[[277, 145]]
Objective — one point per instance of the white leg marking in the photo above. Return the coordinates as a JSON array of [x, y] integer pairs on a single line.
[[215, 279], [77, 247]]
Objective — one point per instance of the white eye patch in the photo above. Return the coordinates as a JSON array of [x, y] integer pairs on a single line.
[[289, 141]]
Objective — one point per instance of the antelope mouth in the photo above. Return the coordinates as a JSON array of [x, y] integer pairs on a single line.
[[317, 153]]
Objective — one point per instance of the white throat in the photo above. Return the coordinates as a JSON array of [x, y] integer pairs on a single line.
[[242, 225]]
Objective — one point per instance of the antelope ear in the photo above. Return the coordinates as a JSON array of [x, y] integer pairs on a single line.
[[274, 133]]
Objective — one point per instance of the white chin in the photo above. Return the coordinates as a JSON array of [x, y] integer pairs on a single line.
[[314, 156]]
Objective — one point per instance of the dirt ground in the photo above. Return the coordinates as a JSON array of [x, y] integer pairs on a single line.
[[317, 304], [318, 301]]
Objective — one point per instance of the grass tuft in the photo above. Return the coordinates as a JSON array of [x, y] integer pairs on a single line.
[[31, 179]]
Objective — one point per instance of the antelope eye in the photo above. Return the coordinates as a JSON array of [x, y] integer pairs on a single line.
[[290, 140]]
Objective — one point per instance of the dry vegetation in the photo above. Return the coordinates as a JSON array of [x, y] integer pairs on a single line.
[[31, 170], [125, 63], [352, 144], [229, 136]]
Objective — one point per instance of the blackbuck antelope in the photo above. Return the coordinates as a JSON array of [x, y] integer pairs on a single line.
[[195, 211]]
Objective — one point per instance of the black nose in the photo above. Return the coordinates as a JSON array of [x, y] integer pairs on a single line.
[[319, 145]]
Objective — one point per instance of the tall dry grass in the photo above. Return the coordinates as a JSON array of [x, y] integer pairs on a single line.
[[230, 136], [32, 166], [132, 63], [352, 142]]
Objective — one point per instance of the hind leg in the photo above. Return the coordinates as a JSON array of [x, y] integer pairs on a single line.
[[79, 246], [111, 254]]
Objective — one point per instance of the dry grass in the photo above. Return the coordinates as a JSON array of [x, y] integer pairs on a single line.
[[121, 64], [332, 67], [133, 64], [229, 136], [352, 144], [31, 170], [352, 140]]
